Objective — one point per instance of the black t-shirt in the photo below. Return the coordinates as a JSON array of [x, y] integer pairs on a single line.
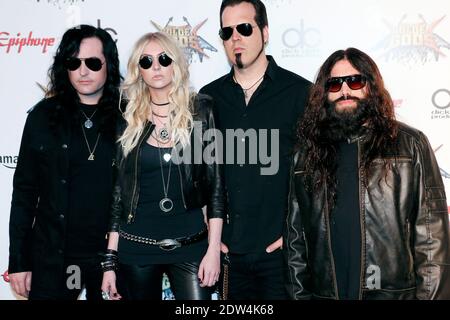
[[89, 187], [151, 222], [345, 223]]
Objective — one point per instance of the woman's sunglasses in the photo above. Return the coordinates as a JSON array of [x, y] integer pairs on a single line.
[[146, 61], [244, 29], [93, 64], [354, 82]]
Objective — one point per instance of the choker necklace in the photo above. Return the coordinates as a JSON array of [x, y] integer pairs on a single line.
[[165, 204], [88, 123], [91, 152], [247, 89], [160, 104]]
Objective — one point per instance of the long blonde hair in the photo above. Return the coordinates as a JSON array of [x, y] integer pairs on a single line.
[[138, 94]]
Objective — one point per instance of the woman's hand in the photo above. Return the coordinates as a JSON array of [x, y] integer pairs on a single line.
[[109, 290]]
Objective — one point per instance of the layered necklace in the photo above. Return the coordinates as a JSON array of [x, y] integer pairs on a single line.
[[88, 124], [162, 133], [165, 204]]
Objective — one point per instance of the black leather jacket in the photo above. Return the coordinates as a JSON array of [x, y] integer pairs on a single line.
[[404, 229], [202, 184]]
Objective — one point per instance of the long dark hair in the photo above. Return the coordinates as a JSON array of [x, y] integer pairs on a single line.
[[60, 86], [260, 8], [321, 154]]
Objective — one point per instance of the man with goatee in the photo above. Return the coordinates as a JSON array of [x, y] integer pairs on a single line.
[[257, 96]]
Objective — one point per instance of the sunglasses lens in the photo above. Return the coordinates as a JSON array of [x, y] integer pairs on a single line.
[[95, 64], [334, 85], [146, 62], [164, 60], [245, 29], [356, 82], [225, 33], [72, 63]]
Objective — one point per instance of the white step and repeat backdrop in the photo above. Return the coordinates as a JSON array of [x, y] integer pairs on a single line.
[[409, 40]]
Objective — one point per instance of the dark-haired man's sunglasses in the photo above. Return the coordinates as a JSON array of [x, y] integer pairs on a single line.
[[146, 61], [245, 29], [94, 64], [354, 82]]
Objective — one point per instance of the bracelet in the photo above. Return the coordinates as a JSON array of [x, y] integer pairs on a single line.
[[111, 251], [110, 261], [109, 266]]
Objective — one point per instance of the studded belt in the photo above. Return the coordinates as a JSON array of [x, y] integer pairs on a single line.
[[166, 244]]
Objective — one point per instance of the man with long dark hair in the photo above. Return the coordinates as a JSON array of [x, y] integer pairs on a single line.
[[255, 96], [367, 215], [63, 181]]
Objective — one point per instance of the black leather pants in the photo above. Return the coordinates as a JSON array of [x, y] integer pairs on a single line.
[[145, 282]]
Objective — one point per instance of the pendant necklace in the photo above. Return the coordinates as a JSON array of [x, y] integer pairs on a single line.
[[88, 123], [162, 133], [91, 152], [165, 204], [247, 89]]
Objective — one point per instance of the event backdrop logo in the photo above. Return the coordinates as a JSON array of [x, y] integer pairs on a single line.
[[441, 102], [413, 42], [301, 41], [18, 41], [277, 3], [60, 2], [9, 162], [5, 276], [188, 38]]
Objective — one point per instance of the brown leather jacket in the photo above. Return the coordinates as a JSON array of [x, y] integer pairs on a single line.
[[404, 229]]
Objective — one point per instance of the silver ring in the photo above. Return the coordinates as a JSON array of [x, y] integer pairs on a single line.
[[105, 295]]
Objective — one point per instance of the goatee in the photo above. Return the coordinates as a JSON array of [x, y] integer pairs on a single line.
[[239, 63]]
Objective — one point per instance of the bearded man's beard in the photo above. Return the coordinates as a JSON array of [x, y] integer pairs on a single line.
[[346, 123]]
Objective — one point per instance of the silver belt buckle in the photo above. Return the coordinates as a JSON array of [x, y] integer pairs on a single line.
[[168, 244]]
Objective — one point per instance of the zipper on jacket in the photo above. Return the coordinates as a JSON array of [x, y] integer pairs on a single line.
[[181, 186], [327, 222], [181, 180], [361, 177], [407, 236], [130, 215]]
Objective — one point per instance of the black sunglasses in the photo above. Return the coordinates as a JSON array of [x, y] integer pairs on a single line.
[[244, 29], [354, 82], [146, 61], [94, 64]]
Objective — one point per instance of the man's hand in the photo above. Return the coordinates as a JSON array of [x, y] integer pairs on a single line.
[[275, 245], [21, 283]]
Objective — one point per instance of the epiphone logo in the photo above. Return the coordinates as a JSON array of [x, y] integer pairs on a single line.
[[9, 162], [19, 41]]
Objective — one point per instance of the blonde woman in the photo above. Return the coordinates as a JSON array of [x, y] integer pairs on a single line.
[[157, 223]]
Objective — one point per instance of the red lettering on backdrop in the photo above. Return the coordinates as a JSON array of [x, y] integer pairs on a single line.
[[5, 276], [11, 42]]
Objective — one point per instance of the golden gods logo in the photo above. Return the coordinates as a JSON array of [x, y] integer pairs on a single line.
[[413, 42], [188, 38]]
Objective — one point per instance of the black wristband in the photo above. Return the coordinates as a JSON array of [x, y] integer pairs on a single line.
[[111, 251]]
